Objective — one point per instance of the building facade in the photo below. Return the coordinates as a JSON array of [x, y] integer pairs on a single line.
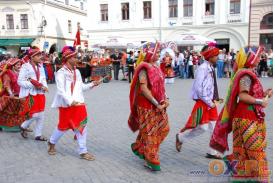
[[48, 24], [261, 26], [226, 21]]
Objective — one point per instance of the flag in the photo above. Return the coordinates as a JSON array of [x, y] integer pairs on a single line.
[[77, 38]]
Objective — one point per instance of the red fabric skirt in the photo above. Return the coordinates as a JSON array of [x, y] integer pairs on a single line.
[[50, 71], [10, 111], [38, 103], [73, 117], [201, 114]]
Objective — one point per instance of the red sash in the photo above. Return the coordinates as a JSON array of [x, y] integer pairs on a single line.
[[73, 117], [38, 102]]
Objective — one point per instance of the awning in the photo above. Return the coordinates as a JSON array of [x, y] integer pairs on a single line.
[[16, 42], [190, 39]]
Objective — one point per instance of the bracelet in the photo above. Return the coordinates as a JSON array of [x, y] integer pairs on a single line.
[[259, 101], [155, 102]]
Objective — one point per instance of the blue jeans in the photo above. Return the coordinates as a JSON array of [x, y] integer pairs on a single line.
[[220, 64], [181, 71]]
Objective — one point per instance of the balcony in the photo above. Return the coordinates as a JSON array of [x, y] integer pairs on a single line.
[[233, 18], [208, 19], [187, 20]]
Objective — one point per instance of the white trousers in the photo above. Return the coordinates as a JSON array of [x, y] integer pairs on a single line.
[[39, 119], [81, 139], [209, 127]]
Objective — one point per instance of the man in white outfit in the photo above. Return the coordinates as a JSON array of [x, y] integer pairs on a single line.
[[70, 102], [33, 85]]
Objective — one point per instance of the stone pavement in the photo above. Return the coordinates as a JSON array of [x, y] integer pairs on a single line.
[[109, 138]]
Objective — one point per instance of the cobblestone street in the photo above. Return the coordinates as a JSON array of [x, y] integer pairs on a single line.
[[109, 138]]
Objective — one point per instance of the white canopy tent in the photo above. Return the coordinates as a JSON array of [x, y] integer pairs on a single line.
[[116, 42], [191, 39]]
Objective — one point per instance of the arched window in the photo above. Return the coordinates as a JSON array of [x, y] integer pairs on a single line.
[[267, 21]]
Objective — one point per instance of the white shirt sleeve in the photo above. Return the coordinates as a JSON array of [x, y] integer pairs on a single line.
[[23, 78], [85, 87], [60, 85]]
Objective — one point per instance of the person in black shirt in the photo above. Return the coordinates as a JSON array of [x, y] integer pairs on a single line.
[[130, 64], [116, 59]]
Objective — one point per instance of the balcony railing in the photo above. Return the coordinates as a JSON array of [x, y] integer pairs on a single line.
[[208, 19], [233, 18], [187, 20]]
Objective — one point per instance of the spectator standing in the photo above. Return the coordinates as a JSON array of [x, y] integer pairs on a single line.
[[116, 59]]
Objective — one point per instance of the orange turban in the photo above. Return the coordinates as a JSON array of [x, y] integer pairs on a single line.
[[211, 51]]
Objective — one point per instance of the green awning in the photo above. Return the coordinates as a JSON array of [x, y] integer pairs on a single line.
[[16, 42]]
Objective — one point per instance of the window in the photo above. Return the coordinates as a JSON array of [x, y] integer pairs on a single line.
[[69, 26], [10, 22], [24, 21], [104, 12], [235, 6], [209, 7], [266, 40], [267, 21], [147, 10], [173, 8], [67, 2], [125, 11], [81, 6], [187, 8]]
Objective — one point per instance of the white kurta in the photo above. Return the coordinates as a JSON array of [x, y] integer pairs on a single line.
[[63, 96], [26, 72]]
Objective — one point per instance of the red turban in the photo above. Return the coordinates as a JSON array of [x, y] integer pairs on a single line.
[[68, 52], [211, 51], [33, 51]]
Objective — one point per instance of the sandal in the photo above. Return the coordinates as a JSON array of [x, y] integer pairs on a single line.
[[24, 134], [25, 129], [87, 156], [41, 138], [178, 143], [51, 150]]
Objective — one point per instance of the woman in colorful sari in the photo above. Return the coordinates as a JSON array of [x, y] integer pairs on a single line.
[[148, 103], [243, 114], [10, 105]]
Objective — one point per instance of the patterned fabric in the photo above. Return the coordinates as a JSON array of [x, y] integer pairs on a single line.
[[223, 127], [153, 128], [74, 118], [249, 143], [201, 114], [224, 123], [156, 85], [12, 110]]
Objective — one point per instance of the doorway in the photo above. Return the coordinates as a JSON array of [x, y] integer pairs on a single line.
[[223, 43]]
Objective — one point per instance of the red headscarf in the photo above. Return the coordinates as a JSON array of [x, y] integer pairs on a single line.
[[13, 61], [151, 52]]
